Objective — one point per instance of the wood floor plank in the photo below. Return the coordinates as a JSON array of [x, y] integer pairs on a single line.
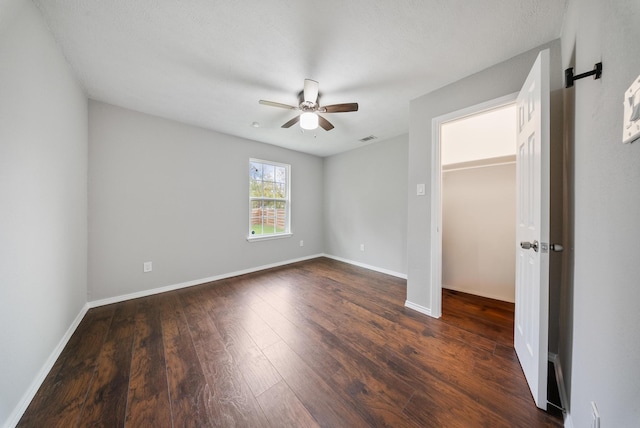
[[322, 402], [378, 397], [487, 318], [231, 402], [409, 318], [257, 370], [284, 409], [188, 390], [506, 352], [431, 407], [458, 365], [148, 397], [106, 402], [442, 366], [304, 344], [61, 397], [280, 287], [378, 401], [260, 332], [488, 330], [447, 331], [321, 294], [386, 291], [420, 366], [354, 318]]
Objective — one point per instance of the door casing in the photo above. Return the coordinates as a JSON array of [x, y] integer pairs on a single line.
[[436, 191]]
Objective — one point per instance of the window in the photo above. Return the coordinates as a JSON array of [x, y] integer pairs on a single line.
[[269, 203]]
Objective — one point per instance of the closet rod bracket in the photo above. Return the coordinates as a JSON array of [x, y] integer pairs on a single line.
[[570, 78]]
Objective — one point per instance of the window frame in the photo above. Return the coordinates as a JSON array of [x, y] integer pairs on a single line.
[[287, 201]]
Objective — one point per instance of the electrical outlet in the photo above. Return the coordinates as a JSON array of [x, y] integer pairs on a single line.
[[301, 243], [147, 267], [361, 247], [595, 416]]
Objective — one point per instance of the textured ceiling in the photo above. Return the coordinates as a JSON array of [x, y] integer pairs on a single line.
[[208, 62]]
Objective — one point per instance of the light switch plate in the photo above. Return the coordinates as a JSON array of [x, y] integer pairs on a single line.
[[420, 189], [631, 122]]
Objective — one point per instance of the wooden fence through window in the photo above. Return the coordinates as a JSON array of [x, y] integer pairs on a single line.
[[268, 217]]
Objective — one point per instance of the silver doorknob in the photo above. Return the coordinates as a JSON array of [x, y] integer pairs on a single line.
[[525, 245]]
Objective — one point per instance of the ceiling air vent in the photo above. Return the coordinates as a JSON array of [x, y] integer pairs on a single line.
[[369, 138]]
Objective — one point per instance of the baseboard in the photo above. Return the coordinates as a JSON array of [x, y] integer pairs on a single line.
[[418, 308], [24, 402], [568, 422], [151, 292], [366, 266], [562, 390]]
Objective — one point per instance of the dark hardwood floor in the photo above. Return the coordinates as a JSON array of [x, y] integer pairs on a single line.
[[316, 343]]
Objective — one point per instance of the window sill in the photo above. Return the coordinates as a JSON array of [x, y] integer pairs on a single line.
[[269, 237]]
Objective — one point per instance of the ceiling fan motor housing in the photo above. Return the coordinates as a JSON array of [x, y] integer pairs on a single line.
[[308, 106]]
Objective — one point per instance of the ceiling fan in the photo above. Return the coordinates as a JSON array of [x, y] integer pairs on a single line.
[[310, 107]]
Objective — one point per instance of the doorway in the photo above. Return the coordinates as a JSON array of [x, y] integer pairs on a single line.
[[468, 156], [478, 161]]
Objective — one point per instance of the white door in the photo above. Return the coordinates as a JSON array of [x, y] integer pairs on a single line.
[[532, 229]]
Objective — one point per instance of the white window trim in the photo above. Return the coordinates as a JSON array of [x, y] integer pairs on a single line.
[[269, 237], [288, 233]]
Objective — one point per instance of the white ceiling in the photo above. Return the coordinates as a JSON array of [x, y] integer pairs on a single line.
[[208, 62]]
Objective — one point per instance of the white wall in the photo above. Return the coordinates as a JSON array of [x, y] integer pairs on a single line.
[[177, 195], [604, 343], [478, 230], [366, 203], [43, 202]]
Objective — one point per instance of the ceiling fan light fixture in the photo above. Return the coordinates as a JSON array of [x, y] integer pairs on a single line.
[[309, 108], [308, 120]]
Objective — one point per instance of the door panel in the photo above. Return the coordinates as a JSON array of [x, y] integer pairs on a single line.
[[532, 229]]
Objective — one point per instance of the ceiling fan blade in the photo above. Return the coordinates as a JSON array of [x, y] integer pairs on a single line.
[[274, 104], [324, 123], [310, 90], [291, 122], [339, 108]]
